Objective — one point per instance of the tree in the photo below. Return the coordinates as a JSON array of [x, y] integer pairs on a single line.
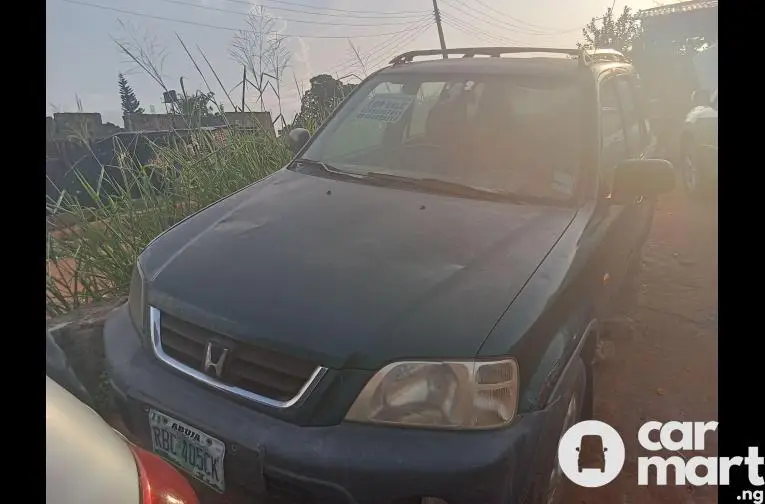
[[198, 104], [130, 104], [621, 34], [320, 100]]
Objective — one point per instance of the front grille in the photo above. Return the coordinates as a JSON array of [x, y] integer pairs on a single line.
[[259, 371]]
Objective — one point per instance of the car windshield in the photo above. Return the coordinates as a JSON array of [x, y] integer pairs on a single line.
[[510, 134]]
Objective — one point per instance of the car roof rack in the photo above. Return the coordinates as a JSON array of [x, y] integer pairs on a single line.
[[585, 57], [592, 56]]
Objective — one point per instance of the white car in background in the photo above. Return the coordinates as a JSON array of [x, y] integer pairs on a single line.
[[87, 462], [698, 142]]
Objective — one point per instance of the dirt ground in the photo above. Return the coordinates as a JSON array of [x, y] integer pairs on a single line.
[[664, 361]]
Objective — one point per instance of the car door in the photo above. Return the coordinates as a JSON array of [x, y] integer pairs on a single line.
[[640, 144], [608, 229]]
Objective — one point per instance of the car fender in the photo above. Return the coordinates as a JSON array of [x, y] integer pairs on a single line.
[[549, 437], [584, 351]]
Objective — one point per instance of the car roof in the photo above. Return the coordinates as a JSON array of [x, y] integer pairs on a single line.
[[515, 65]]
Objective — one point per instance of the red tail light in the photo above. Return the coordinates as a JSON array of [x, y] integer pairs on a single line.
[[161, 483]]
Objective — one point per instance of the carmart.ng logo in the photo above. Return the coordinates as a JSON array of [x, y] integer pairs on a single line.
[[591, 454]]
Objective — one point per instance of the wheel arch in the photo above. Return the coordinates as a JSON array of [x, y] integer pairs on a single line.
[[584, 351], [686, 140]]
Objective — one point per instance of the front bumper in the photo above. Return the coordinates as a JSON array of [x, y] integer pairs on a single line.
[[344, 463]]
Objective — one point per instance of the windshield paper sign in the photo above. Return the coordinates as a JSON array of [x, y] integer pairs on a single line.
[[386, 107]]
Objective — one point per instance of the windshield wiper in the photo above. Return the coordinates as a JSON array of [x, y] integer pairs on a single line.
[[444, 187], [325, 167]]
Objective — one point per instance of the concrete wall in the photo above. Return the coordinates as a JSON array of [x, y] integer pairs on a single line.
[[250, 119], [151, 122], [164, 122], [66, 124], [69, 123]]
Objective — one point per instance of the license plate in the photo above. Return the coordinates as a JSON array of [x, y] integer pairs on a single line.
[[197, 453]]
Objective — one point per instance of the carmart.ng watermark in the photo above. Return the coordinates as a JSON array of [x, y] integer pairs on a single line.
[[607, 454]]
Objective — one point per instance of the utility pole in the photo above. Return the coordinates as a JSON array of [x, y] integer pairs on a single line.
[[244, 83], [437, 15]]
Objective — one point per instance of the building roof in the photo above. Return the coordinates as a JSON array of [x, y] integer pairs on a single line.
[[677, 8]]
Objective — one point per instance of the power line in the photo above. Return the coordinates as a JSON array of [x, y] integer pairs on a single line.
[[329, 14], [394, 48], [294, 94], [471, 29], [383, 58], [380, 46], [471, 15], [375, 49], [467, 29], [521, 21], [216, 27], [470, 26], [217, 9], [375, 14], [390, 45], [491, 21]]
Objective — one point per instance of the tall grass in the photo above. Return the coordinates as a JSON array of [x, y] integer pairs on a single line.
[[91, 250]]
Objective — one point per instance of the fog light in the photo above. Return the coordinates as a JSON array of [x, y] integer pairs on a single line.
[[432, 500]]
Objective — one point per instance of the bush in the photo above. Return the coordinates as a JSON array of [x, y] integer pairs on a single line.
[[92, 249]]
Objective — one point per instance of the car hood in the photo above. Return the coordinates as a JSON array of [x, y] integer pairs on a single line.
[[350, 275]]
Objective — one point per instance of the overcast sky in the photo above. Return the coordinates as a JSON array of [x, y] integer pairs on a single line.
[[82, 59]]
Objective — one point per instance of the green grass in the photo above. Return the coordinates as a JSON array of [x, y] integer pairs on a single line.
[[91, 251]]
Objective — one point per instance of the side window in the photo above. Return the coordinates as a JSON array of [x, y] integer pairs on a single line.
[[631, 117], [642, 108], [612, 138]]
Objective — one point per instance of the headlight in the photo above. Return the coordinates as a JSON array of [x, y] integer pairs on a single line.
[[453, 394], [136, 302]]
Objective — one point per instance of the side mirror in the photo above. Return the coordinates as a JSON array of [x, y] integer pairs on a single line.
[[605, 449], [636, 178], [297, 138], [577, 448]]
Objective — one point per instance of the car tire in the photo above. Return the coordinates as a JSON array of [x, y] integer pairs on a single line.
[[554, 491], [694, 178]]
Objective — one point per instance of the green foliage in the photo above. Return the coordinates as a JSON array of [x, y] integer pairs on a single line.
[[91, 251], [130, 104], [194, 108], [325, 94], [606, 32]]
